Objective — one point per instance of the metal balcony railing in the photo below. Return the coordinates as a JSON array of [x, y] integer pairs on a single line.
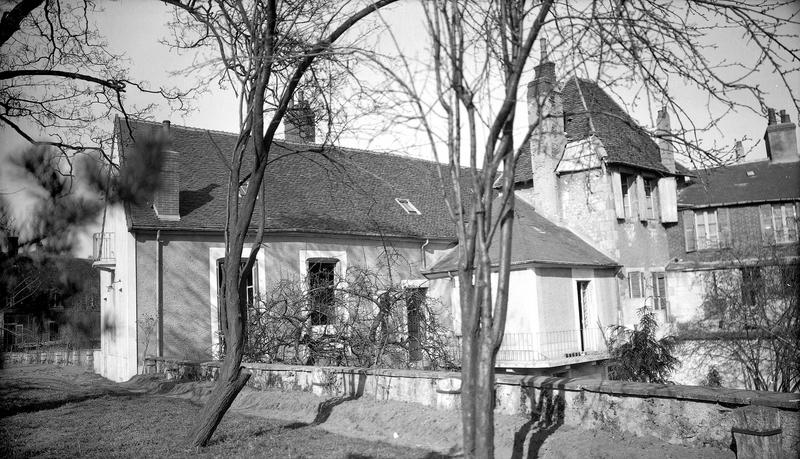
[[103, 248], [530, 349]]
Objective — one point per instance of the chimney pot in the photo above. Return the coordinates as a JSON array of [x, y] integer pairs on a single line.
[[770, 116], [785, 117]]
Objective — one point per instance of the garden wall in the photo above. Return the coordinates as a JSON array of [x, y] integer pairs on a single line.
[[687, 415], [82, 357]]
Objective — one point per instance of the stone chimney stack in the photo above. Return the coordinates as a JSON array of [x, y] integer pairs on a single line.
[[299, 123], [781, 138], [166, 201], [664, 129], [548, 139]]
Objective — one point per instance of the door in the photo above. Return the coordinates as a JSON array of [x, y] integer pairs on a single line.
[[583, 313]]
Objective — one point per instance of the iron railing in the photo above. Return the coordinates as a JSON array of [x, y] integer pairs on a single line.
[[520, 349], [103, 248]]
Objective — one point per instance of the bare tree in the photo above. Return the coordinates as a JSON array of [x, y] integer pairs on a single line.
[[750, 322], [58, 77], [265, 50], [478, 56], [360, 319]]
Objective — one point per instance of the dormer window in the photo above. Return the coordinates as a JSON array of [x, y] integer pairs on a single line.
[[408, 207]]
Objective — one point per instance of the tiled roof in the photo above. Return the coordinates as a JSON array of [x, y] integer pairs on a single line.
[[308, 188], [743, 183], [536, 240], [624, 140]]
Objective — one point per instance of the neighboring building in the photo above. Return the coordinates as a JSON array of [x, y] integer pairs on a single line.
[[731, 214], [50, 302], [595, 171]]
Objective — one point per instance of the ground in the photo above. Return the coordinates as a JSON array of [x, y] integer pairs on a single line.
[[50, 411]]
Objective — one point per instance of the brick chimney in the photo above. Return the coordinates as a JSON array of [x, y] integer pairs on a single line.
[[166, 201], [665, 148], [548, 139], [299, 124], [781, 138]]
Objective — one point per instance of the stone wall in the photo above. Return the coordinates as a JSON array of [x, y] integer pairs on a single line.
[[81, 357], [686, 415]]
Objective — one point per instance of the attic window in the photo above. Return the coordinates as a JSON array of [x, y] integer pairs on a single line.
[[408, 207]]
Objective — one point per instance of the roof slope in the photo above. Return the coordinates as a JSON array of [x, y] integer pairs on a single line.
[[748, 182], [536, 240], [624, 140], [309, 188]]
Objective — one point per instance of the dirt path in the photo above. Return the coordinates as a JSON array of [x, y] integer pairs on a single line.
[[342, 427]]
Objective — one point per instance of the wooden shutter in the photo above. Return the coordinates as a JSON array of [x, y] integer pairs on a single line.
[[659, 290], [724, 227], [616, 189], [688, 230], [640, 198], [635, 284], [767, 235], [668, 199]]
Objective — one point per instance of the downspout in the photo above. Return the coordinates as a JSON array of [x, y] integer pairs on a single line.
[[422, 253], [159, 295]]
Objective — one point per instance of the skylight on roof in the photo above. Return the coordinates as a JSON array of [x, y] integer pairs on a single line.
[[751, 173], [407, 206]]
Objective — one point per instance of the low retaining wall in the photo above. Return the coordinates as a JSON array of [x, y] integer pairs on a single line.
[[687, 415], [81, 357]]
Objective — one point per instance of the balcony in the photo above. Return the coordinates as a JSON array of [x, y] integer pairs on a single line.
[[550, 349], [103, 250]]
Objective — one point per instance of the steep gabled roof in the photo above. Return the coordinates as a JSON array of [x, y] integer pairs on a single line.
[[309, 188], [753, 182], [536, 240], [588, 110]]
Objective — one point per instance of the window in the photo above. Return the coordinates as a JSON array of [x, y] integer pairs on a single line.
[[321, 290], [650, 199], [751, 284], [408, 207], [251, 286], [628, 185], [636, 284], [659, 291], [415, 298], [706, 229], [784, 222]]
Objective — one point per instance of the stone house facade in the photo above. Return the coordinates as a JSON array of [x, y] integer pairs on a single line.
[[595, 171]]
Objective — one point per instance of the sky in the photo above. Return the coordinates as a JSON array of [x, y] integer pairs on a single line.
[[134, 27]]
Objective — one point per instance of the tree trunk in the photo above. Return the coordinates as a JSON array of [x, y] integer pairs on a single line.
[[222, 397]]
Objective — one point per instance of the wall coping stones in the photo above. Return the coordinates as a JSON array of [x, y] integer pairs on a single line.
[[738, 397]]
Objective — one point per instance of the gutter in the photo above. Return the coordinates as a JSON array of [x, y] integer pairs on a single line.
[[160, 294], [532, 264], [736, 203]]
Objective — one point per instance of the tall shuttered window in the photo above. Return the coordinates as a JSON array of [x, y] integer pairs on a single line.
[[659, 291], [706, 229], [650, 199], [784, 222], [636, 284]]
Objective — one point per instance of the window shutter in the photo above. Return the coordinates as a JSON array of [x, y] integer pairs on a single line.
[[640, 198], [616, 188], [724, 226], [659, 290], [635, 284], [668, 199], [767, 236], [688, 230]]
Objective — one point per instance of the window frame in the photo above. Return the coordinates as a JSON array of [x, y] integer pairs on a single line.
[[628, 184], [322, 315], [659, 293], [640, 281], [650, 197], [781, 233], [703, 239]]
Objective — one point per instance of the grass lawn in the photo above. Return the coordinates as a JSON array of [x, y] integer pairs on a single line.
[[105, 421]]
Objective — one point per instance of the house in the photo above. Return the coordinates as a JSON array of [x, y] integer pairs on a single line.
[[562, 294], [327, 209], [593, 170], [737, 233]]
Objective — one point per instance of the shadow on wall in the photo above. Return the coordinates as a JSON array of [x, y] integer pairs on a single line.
[[325, 408], [546, 417]]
